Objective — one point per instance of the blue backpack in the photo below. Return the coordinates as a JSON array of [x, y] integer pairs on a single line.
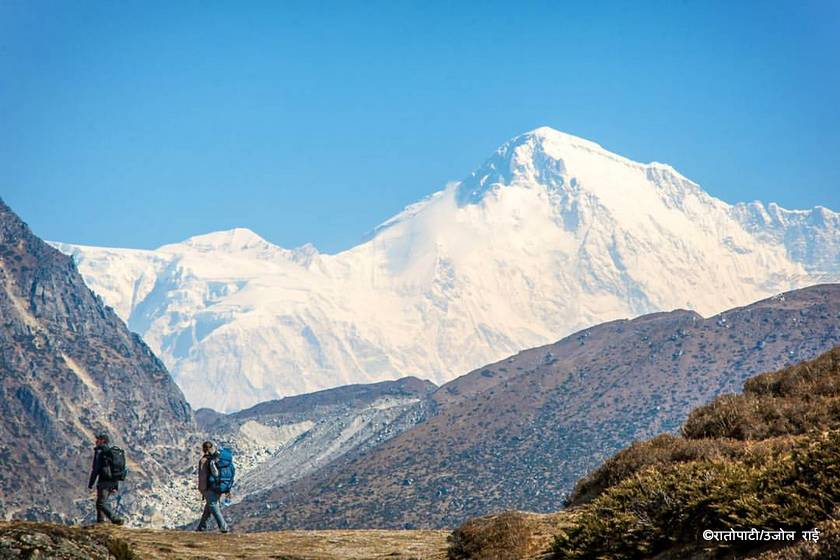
[[223, 482]]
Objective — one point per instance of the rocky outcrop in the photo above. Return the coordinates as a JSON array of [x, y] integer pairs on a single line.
[[43, 540]]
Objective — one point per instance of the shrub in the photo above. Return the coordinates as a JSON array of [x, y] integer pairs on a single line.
[[668, 449], [501, 537], [755, 417], [820, 376], [828, 546], [667, 506]]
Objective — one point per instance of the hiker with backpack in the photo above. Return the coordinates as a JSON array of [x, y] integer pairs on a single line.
[[107, 471], [215, 477]]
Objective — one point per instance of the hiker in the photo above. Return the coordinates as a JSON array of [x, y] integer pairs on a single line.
[[108, 480], [208, 472]]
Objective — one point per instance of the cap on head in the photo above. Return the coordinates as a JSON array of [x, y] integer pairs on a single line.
[[103, 437]]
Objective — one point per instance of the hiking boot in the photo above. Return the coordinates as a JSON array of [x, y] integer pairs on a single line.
[[119, 521]]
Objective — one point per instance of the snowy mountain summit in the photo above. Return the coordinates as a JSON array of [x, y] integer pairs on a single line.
[[552, 234]]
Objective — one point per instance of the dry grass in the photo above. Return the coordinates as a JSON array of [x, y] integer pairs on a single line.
[[667, 450], [150, 544], [511, 535], [659, 509], [287, 545]]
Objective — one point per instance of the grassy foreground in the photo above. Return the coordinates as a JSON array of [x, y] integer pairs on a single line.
[[44, 540]]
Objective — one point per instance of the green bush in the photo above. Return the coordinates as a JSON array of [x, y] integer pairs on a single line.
[[668, 449], [658, 507], [755, 417], [790, 401], [665, 506], [817, 377]]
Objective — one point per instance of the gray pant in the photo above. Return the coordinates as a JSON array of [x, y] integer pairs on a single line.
[[103, 508], [212, 507]]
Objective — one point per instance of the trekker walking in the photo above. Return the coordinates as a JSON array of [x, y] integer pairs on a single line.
[[207, 470], [106, 472]]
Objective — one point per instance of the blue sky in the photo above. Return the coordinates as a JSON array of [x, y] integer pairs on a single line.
[[137, 124]]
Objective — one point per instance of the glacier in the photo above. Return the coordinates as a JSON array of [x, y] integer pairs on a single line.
[[552, 234]]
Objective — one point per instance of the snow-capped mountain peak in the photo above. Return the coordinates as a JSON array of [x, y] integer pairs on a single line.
[[811, 237], [555, 141], [560, 162], [232, 240], [551, 234]]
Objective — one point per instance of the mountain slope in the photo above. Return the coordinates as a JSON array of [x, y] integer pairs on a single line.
[[276, 442], [70, 369], [768, 458], [551, 234], [759, 461], [516, 434]]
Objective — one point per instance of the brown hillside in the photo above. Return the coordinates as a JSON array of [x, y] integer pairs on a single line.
[[654, 498], [517, 434], [768, 458]]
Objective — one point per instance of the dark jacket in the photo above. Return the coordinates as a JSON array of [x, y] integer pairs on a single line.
[[203, 472], [206, 467], [96, 468]]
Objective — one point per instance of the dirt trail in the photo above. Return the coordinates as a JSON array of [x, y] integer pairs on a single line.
[[285, 545]]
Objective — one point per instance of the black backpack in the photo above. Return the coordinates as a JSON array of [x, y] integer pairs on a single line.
[[113, 464]]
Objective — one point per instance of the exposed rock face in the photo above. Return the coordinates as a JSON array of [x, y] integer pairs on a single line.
[[516, 434], [277, 442], [70, 369]]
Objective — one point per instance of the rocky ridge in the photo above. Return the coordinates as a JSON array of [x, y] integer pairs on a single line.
[[70, 369]]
